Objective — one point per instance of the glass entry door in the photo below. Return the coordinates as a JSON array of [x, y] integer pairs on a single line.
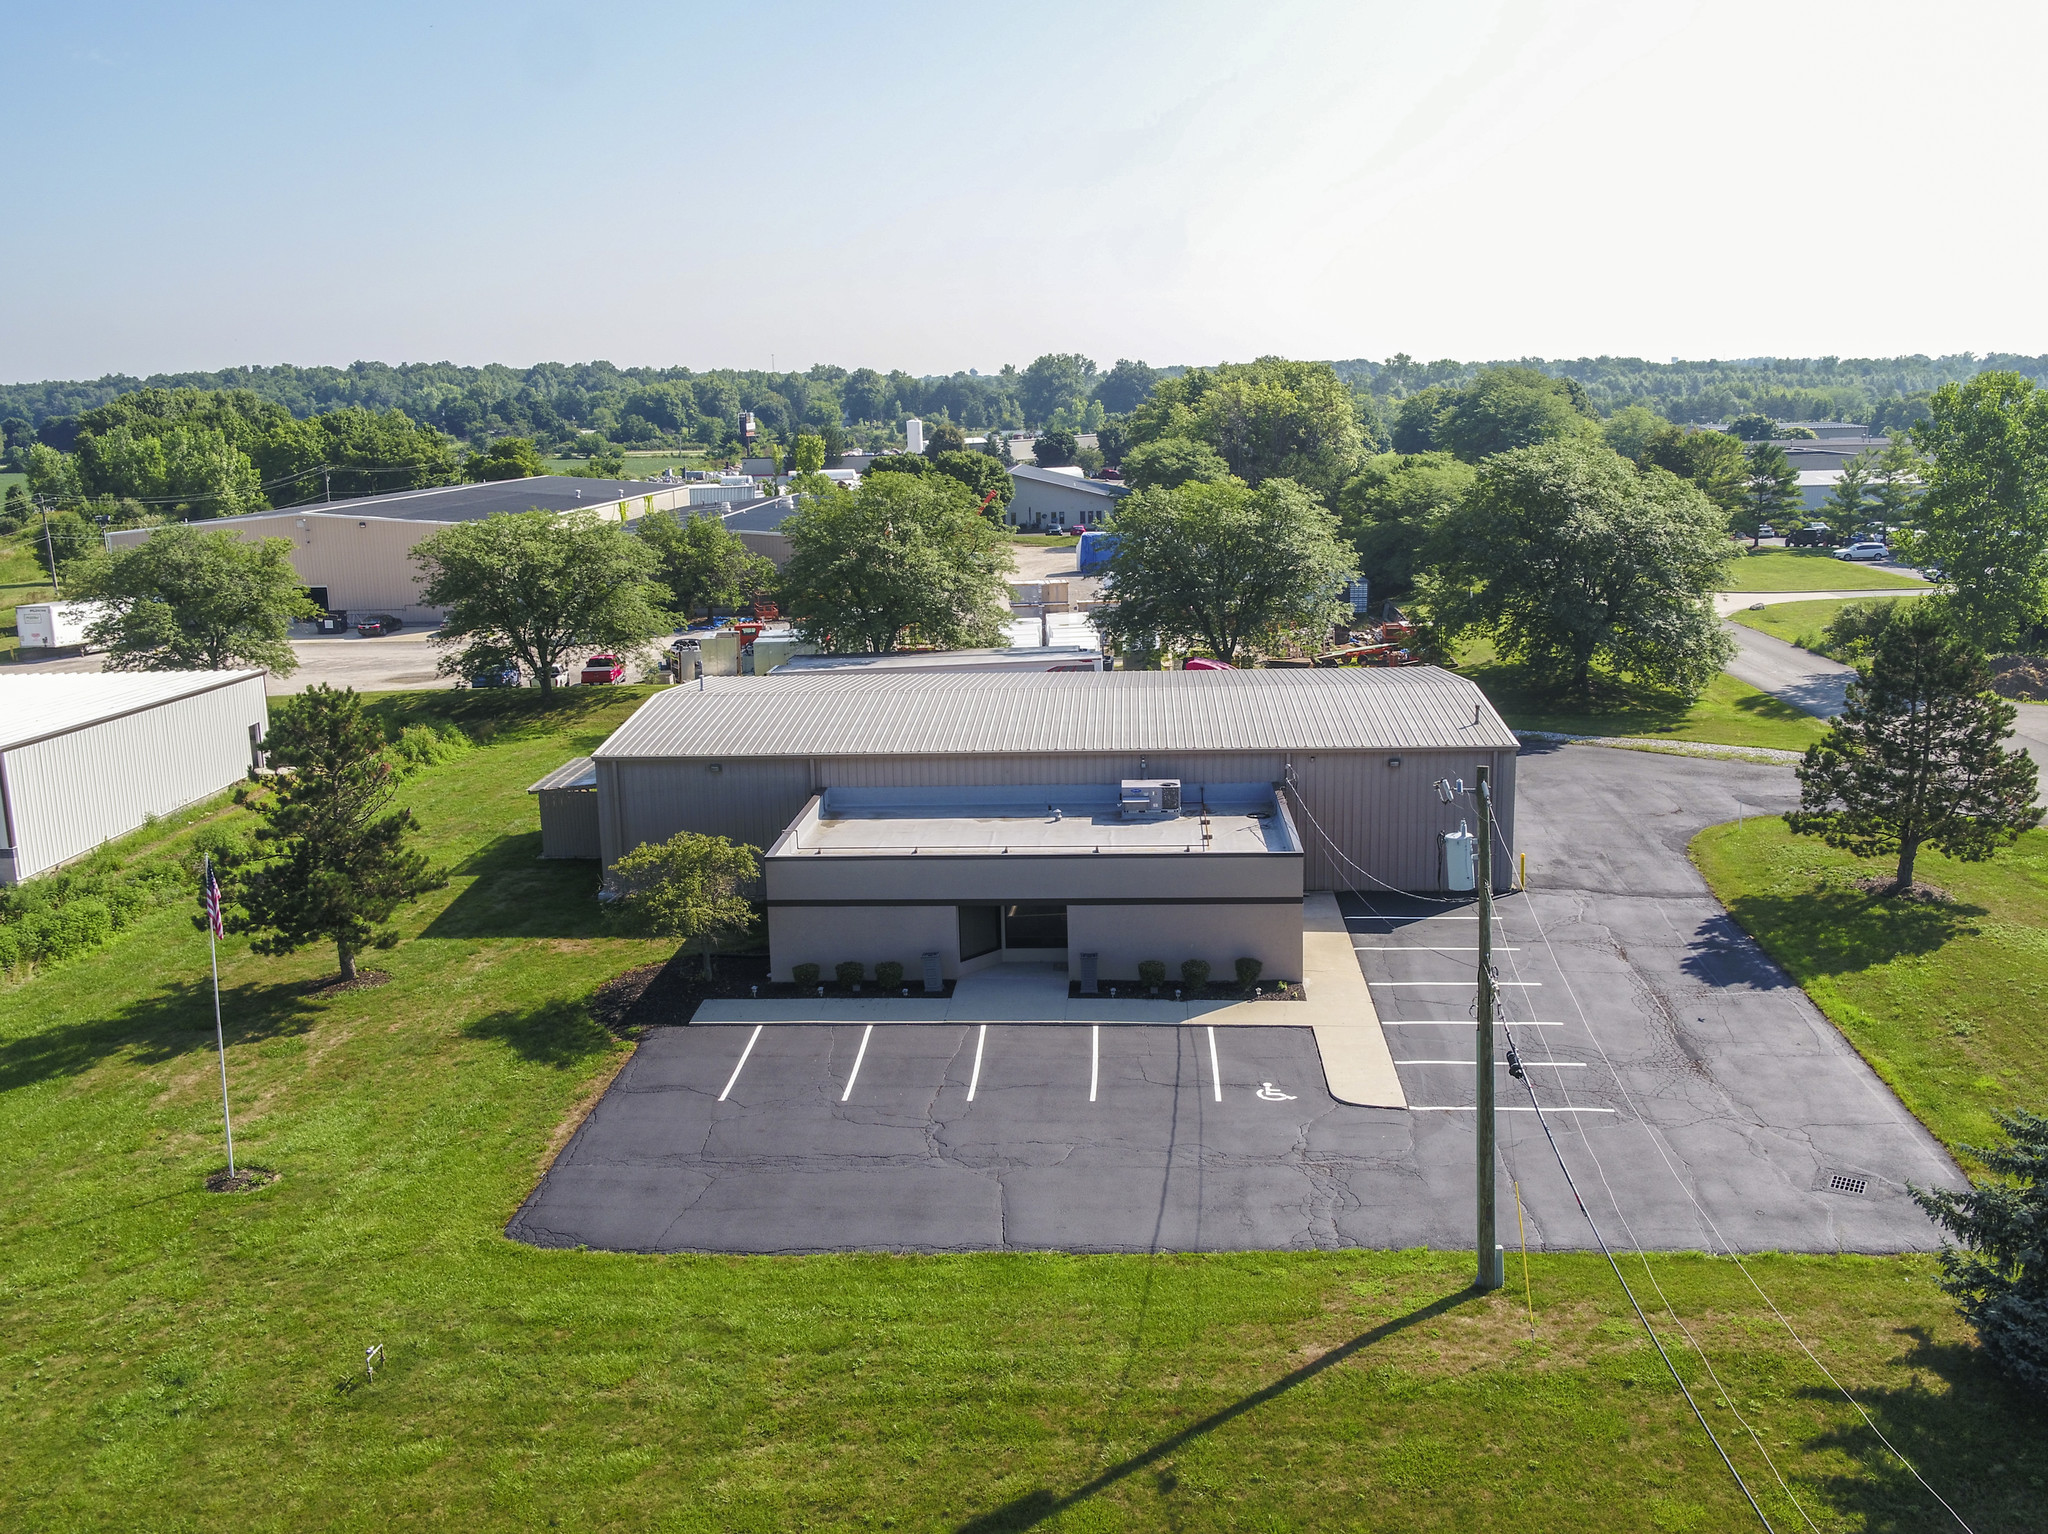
[[1035, 926]]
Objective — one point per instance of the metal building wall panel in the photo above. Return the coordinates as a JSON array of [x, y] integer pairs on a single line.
[[71, 792]]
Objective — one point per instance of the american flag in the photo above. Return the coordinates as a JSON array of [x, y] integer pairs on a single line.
[[213, 901]]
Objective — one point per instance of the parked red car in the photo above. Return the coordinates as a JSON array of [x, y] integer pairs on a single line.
[[602, 668]]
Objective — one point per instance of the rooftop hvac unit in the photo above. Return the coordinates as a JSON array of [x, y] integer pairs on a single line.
[[1461, 859], [1148, 796]]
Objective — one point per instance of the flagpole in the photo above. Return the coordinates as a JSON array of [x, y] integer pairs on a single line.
[[219, 1037]]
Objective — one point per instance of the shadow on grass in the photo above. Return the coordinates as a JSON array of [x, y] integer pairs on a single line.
[[177, 1020], [1963, 1439], [495, 712], [557, 1033], [517, 893], [1616, 709], [1831, 931], [1035, 1507]]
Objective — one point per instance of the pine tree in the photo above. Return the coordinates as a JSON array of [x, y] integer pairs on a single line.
[[1771, 492], [331, 860], [1915, 759], [1999, 1275], [1847, 506]]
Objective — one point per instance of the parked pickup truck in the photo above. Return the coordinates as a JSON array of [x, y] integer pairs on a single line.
[[602, 668]]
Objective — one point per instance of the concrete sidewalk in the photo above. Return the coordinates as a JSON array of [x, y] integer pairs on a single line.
[[1357, 1064]]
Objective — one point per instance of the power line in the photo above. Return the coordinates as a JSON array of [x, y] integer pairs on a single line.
[[1727, 1246]]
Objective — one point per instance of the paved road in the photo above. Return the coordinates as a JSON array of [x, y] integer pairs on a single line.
[[1800, 677], [401, 660], [1699, 1096], [1817, 685]]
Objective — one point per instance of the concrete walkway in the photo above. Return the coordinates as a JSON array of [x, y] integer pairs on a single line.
[[1726, 602], [1357, 1064]]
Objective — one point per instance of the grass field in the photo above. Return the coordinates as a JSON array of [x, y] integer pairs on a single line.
[[23, 578], [1728, 713], [1807, 570], [1943, 999], [1801, 623], [179, 1360], [1046, 540]]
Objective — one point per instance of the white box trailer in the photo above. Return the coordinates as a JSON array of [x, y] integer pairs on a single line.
[[56, 625]]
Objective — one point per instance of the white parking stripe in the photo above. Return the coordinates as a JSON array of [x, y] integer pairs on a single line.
[[1450, 1022], [1471, 1108], [743, 1062], [1094, 1059], [1215, 1070], [975, 1080], [862, 1055]]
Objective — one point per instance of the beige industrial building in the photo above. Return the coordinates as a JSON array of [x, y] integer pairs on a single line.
[[356, 556], [86, 757], [896, 808]]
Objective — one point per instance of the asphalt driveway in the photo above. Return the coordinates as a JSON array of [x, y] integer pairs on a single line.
[[1699, 1098]]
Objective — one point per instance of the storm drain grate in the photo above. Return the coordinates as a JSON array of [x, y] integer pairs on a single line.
[[1842, 1184]]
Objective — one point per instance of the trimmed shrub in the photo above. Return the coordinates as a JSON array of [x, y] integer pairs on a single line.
[[804, 974], [1152, 972], [1248, 972], [888, 974], [1195, 972], [849, 974]]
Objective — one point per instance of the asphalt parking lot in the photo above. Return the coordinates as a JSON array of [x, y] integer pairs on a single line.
[[1700, 1100]]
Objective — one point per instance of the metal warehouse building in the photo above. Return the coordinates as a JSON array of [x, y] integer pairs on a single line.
[[895, 809], [356, 555], [88, 757]]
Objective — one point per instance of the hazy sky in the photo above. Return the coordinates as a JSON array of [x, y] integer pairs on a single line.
[[936, 187]]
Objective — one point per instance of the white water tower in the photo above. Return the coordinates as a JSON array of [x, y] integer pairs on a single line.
[[913, 429]]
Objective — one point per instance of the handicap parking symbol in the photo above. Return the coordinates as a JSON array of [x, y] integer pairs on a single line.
[[1269, 1093]]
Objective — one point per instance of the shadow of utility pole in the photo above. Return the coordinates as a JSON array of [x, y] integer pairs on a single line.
[[1033, 1508]]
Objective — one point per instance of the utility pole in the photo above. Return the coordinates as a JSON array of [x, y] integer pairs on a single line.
[[1490, 1275], [49, 552]]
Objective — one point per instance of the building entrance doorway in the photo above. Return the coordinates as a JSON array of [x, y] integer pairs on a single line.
[[1037, 927]]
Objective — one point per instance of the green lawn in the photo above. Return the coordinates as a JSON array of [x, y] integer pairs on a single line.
[[1807, 570], [178, 1360], [1944, 1000], [1045, 540], [23, 578], [1728, 713], [1801, 623]]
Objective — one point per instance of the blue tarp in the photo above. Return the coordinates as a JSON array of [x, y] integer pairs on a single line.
[[1092, 558]]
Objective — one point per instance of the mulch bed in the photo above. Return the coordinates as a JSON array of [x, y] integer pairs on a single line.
[[365, 980], [245, 1177], [1137, 990], [2023, 678], [657, 995]]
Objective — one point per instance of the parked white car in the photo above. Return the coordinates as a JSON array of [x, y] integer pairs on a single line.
[[1864, 551]]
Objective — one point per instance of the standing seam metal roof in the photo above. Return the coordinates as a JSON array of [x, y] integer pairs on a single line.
[[1003, 713], [35, 707]]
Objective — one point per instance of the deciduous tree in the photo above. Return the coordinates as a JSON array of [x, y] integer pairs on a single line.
[[535, 587], [690, 888], [1269, 419], [1982, 524], [1390, 510], [1504, 408], [1570, 559], [1054, 448], [1171, 462], [187, 600], [902, 559], [330, 859], [1231, 570], [507, 458], [702, 563], [1915, 759]]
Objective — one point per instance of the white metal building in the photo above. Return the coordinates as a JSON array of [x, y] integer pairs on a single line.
[[1047, 498], [356, 555], [85, 757]]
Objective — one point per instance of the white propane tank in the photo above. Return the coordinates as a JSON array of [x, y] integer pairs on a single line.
[[1461, 859]]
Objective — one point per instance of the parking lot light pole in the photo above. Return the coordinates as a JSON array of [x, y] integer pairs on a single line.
[[1490, 1275]]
